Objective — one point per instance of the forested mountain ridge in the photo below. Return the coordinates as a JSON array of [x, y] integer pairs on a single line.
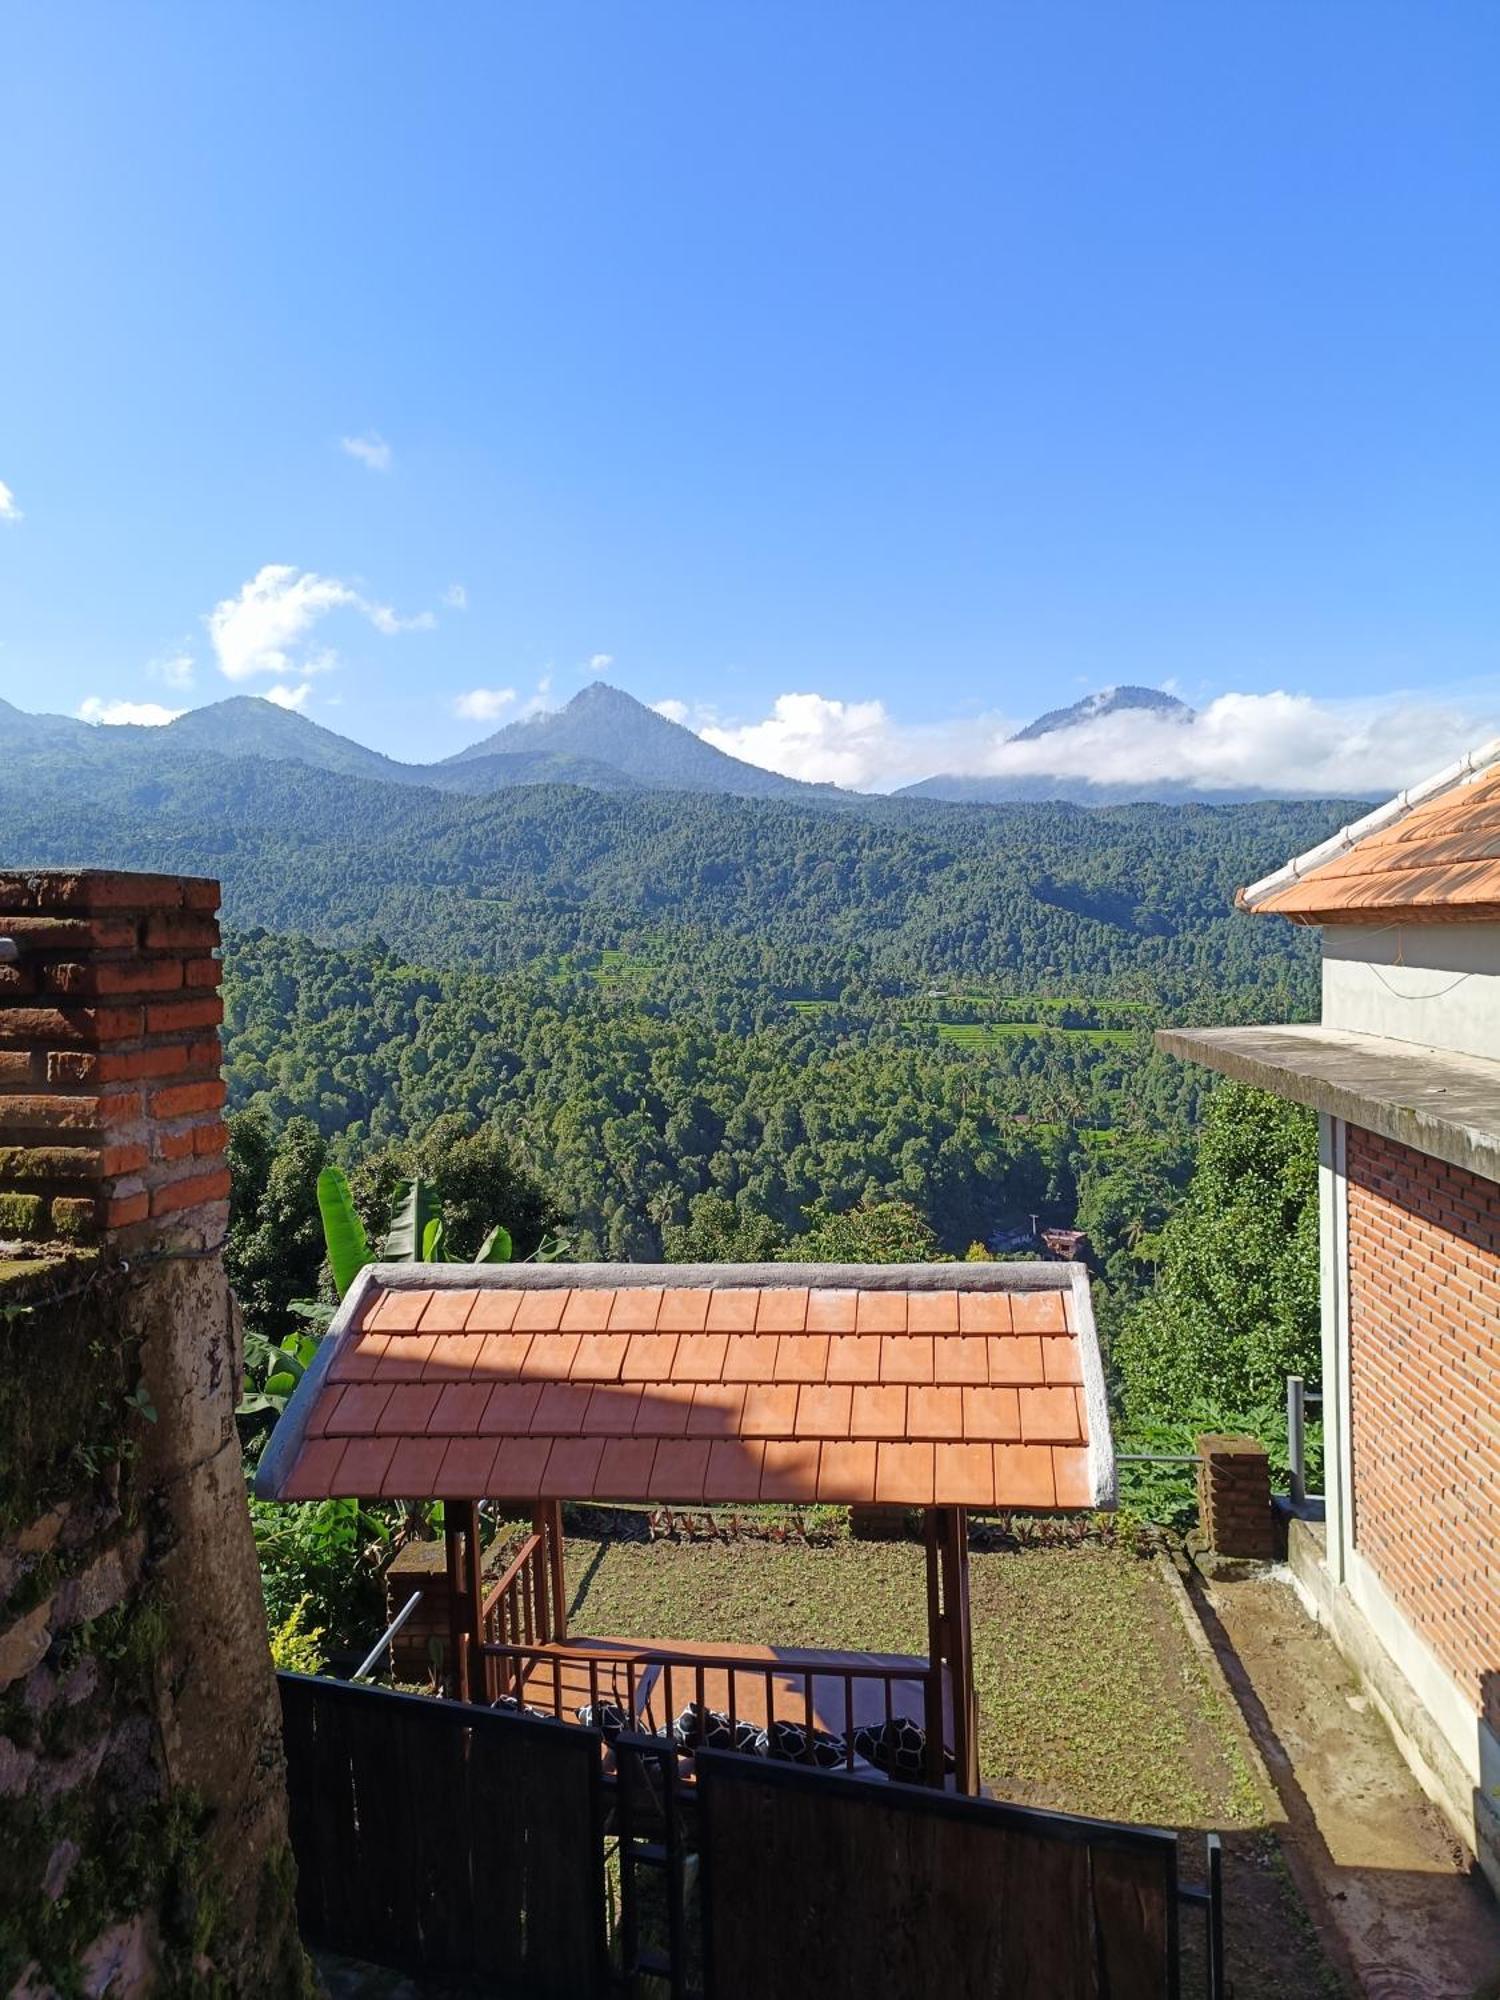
[[1132, 900]]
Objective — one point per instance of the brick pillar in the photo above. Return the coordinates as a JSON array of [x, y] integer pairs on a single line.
[[1234, 1496], [110, 1094], [419, 1566]]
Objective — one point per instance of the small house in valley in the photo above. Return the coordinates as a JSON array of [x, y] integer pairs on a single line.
[[1404, 1073]]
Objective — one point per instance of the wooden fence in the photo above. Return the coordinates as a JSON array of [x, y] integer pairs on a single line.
[[447, 1840], [469, 1844], [824, 1885]]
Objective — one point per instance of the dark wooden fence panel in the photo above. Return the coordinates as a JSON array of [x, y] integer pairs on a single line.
[[826, 1885], [445, 1839]]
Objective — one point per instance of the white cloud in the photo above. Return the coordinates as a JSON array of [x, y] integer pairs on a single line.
[[294, 698], [483, 704], [456, 597], [9, 511], [151, 713], [600, 663], [265, 629], [674, 711], [1278, 742], [371, 450], [176, 669]]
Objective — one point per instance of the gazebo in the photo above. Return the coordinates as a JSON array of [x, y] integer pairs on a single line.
[[938, 1387]]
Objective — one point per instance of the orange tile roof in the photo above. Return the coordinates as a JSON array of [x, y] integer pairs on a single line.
[[1437, 860], [982, 1392]]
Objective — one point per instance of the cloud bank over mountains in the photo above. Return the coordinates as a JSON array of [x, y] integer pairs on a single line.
[[1279, 741]]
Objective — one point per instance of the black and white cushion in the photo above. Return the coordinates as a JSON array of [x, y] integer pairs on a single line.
[[514, 1705], [701, 1728], [794, 1743], [607, 1716], [897, 1747]]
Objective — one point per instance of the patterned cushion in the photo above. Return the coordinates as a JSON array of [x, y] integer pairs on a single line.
[[794, 1743], [608, 1717], [700, 1728], [514, 1704]]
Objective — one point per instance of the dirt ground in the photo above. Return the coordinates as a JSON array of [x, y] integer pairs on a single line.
[[1398, 1904]]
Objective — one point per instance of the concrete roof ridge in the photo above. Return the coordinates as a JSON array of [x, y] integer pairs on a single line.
[[1463, 771]]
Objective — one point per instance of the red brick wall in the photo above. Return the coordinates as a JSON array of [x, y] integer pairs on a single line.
[[1424, 1326], [111, 1117]]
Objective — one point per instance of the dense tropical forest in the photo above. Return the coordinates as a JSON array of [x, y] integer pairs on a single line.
[[660, 1025]]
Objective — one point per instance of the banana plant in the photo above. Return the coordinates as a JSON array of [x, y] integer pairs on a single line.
[[414, 1234]]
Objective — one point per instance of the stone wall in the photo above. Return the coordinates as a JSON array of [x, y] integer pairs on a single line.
[[142, 1811]]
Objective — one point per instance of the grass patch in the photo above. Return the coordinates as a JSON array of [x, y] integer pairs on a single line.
[[987, 1034], [1091, 1700]]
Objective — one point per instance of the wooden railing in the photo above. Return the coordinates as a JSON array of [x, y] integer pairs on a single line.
[[519, 1610], [652, 1686]]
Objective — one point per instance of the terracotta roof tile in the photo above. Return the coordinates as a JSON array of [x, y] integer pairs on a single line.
[[586, 1311], [409, 1410], [878, 1411], [716, 1411], [625, 1468], [460, 1406], [414, 1468], [831, 1311], [665, 1409], [991, 1413], [846, 1472], [880, 1312], [802, 1357], [635, 1309], [823, 1410], [648, 1357], [965, 1474], [733, 1470], [358, 1409], [1023, 1476], [934, 1413], [493, 1312], [960, 1358], [790, 1470], [519, 1466], [700, 1357], [572, 1468], [1038, 1312], [984, 1312], [465, 1471], [932, 1312], [904, 1474], [550, 1357], [729, 1392], [539, 1311], [599, 1357], [906, 1358], [678, 1470], [750, 1357], [447, 1312], [1017, 1359], [1049, 1416], [782, 1309]]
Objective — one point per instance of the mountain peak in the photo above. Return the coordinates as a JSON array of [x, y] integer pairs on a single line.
[[1104, 701]]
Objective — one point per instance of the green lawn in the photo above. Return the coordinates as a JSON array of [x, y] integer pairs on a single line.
[[987, 1034], [1091, 1699]]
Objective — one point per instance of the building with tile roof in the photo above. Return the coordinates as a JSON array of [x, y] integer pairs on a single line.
[[938, 1387], [1404, 1072]]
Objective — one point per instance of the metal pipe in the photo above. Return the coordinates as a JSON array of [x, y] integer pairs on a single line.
[[1296, 1443], [1156, 1458], [362, 1671]]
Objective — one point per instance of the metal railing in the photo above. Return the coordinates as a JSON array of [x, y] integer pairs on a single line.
[[1298, 1396], [366, 1668]]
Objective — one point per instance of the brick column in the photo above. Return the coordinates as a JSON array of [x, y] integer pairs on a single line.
[[419, 1566], [110, 1093], [1234, 1496]]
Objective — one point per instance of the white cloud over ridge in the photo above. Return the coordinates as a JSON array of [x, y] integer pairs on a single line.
[[370, 449], [1278, 742], [294, 698], [94, 708], [483, 704], [266, 628]]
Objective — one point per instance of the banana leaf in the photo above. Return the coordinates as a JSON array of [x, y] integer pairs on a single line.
[[495, 1249], [435, 1242], [413, 1210], [343, 1232]]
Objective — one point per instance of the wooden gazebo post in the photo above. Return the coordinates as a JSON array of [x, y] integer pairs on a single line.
[[949, 1643]]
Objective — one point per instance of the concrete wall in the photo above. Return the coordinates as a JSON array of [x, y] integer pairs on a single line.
[[1434, 984], [143, 1843]]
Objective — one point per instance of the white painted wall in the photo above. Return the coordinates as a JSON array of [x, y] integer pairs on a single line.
[[1435, 984]]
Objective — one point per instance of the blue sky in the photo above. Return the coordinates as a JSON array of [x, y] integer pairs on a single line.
[[934, 364]]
